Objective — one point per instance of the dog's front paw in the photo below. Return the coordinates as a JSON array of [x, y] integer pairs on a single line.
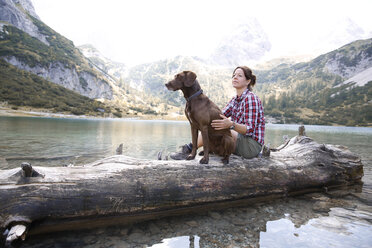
[[204, 160], [190, 157]]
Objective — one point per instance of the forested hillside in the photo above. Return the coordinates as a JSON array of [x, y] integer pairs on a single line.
[[20, 88], [313, 93]]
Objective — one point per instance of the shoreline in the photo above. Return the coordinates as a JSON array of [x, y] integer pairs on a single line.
[[9, 112]]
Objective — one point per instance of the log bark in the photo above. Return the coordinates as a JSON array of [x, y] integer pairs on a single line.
[[121, 189]]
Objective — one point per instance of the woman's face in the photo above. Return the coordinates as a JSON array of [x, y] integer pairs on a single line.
[[239, 81]]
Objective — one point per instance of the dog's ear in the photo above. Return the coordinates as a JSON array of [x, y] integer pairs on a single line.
[[190, 78]]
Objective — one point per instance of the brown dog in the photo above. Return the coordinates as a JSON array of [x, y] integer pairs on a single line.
[[200, 111]]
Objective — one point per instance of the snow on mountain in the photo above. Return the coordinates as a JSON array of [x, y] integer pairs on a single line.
[[360, 79]]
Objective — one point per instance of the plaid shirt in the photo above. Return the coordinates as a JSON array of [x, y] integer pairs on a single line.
[[247, 109]]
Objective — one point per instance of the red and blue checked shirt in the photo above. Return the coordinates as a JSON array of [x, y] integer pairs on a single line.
[[247, 109]]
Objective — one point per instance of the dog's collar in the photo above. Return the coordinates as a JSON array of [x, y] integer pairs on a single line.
[[194, 95]]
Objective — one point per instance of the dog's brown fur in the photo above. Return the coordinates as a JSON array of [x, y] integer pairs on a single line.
[[200, 111]]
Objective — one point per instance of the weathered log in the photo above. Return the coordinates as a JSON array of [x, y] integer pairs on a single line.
[[119, 189]]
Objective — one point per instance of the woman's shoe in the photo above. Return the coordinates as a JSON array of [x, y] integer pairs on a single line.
[[182, 155]]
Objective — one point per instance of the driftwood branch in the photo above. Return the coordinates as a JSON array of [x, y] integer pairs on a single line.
[[15, 233], [123, 189]]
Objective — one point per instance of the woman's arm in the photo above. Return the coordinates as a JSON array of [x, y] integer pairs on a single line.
[[251, 112], [227, 110]]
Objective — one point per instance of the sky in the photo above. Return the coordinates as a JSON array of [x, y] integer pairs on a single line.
[[141, 31]]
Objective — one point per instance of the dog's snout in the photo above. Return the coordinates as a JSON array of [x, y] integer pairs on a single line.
[[169, 85]]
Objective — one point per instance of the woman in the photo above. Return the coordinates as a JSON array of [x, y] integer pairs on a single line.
[[247, 122]]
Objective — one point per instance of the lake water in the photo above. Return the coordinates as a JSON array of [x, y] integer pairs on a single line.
[[340, 218]]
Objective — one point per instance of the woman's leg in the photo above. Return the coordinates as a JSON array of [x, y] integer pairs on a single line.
[[247, 147], [233, 133], [235, 137], [200, 140]]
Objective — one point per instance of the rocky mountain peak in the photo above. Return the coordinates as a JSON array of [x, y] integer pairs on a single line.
[[246, 42], [14, 12], [104, 64], [90, 51], [27, 5]]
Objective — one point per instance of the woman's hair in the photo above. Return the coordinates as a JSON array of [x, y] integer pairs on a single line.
[[248, 75]]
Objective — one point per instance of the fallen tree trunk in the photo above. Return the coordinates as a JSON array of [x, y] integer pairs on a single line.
[[120, 188]]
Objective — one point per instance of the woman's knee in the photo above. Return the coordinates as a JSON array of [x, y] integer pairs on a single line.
[[247, 147]]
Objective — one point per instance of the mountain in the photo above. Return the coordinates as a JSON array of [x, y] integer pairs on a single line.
[[41, 68], [112, 68], [344, 62], [334, 88], [247, 42], [132, 96], [21, 89], [30, 45], [339, 32], [358, 80], [289, 60], [16, 12], [148, 81], [151, 77], [310, 92], [33, 48]]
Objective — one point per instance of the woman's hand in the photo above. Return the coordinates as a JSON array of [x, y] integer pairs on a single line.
[[223, 123]]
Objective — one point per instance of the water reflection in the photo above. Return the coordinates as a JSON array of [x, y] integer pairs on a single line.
[[183, 241]]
